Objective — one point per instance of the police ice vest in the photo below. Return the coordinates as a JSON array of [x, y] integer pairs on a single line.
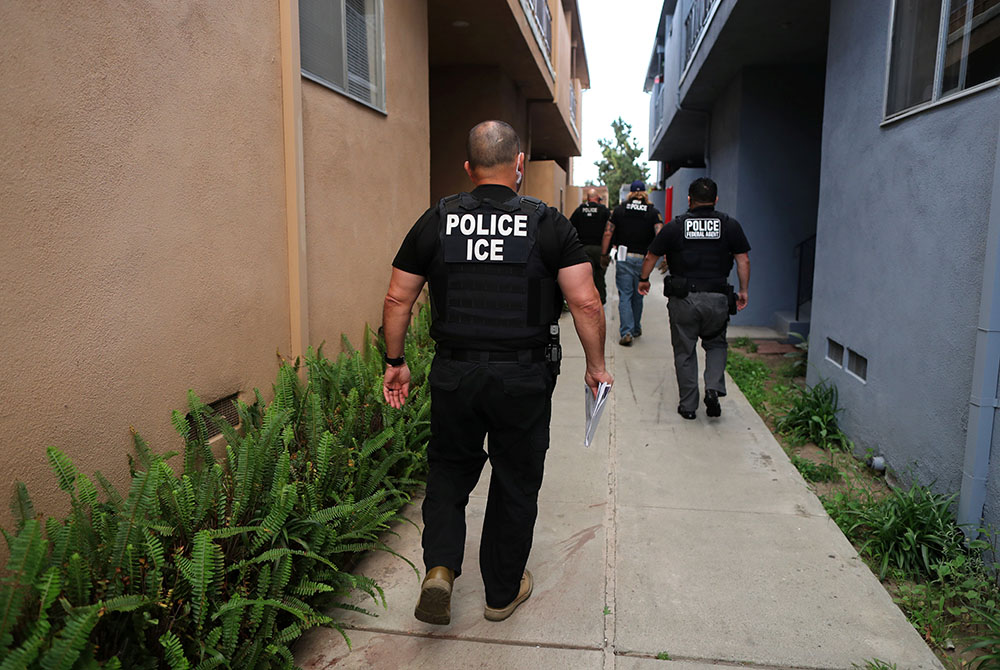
[[703, 252], [496, 286]]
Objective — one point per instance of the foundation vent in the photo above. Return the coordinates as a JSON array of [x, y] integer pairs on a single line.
[[835, 352], [857, 365], [225, 409]]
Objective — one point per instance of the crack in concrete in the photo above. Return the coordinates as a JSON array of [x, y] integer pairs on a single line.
[[610, 524]]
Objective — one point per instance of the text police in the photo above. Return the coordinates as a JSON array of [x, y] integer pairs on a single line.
[[486, 233]]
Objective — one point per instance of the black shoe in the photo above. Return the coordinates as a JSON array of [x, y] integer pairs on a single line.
[[637, 332], [626, 340], [689, 415], [712, 407]]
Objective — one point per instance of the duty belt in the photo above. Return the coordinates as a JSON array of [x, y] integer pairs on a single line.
[[523, 356], [711, 285]]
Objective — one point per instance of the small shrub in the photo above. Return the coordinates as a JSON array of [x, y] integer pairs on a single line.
[[910, 530], [745, 343], [811, 416], [874, 664], [799, 359], [750, 376], [663, 656], [815, 472]]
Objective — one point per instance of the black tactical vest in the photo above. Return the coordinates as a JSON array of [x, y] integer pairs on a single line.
[[493, 285], [703, 252]]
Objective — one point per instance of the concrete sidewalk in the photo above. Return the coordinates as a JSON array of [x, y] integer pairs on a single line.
[[694, 538]]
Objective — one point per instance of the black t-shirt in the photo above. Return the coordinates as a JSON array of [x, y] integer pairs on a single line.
[[700, 243], [589, 219], [557, 243], [634, 224]]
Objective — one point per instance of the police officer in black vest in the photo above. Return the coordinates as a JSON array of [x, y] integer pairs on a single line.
[[700, 246], [589, 219], [495, 262], [633, 226]]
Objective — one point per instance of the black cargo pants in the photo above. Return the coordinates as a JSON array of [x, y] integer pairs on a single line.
[[511, 404]]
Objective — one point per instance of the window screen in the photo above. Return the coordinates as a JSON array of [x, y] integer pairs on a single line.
[[342, 47]]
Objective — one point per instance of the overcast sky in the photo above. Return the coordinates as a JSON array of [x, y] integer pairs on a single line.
[[618, 37]]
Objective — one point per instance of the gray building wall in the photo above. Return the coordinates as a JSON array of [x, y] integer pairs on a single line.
[[764, 146], [902, 225]]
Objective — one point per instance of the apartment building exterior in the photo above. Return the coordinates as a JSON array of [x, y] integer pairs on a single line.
[[190, 189], [873, 126]]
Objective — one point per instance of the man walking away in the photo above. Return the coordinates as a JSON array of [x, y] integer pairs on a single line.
[[632, 225], [701, 246], [590, 219], [495, 262]]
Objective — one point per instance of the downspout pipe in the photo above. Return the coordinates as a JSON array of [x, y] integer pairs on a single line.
[[983, 402]]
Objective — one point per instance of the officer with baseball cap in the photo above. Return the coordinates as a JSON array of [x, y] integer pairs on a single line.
[[633, 225]]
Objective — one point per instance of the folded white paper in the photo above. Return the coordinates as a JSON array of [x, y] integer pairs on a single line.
[[622, 252], [593, 408]]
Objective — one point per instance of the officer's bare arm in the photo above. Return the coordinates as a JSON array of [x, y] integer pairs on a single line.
[[743, 272], [577, 285], [404, 289], [648, 263], [609, 229]]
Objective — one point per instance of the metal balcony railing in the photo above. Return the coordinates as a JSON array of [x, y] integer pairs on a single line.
[[572, 103], [543, 17], [659, 93], [694, 24]]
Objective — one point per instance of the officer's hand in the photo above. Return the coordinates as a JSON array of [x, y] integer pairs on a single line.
[[605, 261], [643, 288], [741, 300], [396, 385], [593, 378]]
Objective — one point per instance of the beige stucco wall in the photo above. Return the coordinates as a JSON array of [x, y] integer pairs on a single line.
[[367, 178], [143, 243], [546, 180], [461, 97]]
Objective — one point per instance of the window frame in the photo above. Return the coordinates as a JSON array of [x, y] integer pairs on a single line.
[[380, 71], [936, 95]]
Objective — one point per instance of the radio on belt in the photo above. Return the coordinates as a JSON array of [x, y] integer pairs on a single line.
[[553, 350]]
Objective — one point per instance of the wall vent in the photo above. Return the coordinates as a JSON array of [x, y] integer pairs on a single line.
[[857, 365], [835, 352], [225, 409]]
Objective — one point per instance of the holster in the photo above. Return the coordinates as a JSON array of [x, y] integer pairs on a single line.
[[675, 287], [731, 296]]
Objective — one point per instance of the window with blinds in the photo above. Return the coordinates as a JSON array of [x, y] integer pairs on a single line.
[[343, 47]]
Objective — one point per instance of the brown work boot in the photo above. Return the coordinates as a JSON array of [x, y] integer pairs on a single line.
[[434, 605], [527, 584]]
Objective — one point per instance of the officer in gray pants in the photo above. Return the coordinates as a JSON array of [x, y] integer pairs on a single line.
[[701, 246]]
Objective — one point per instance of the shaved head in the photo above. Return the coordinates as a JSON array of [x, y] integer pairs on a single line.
[[492, 143]]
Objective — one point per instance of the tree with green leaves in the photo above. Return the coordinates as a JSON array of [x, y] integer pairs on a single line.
[[620, 163]]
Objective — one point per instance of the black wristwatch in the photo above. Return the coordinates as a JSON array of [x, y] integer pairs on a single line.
[[394, 362], [643, 279]]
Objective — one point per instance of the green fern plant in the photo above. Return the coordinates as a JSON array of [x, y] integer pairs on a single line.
[[221, 562]]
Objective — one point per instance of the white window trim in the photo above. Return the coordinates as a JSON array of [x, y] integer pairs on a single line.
[[384, 109], [888, 119]]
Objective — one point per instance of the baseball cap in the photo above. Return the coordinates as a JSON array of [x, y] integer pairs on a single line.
[[637, 185]]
